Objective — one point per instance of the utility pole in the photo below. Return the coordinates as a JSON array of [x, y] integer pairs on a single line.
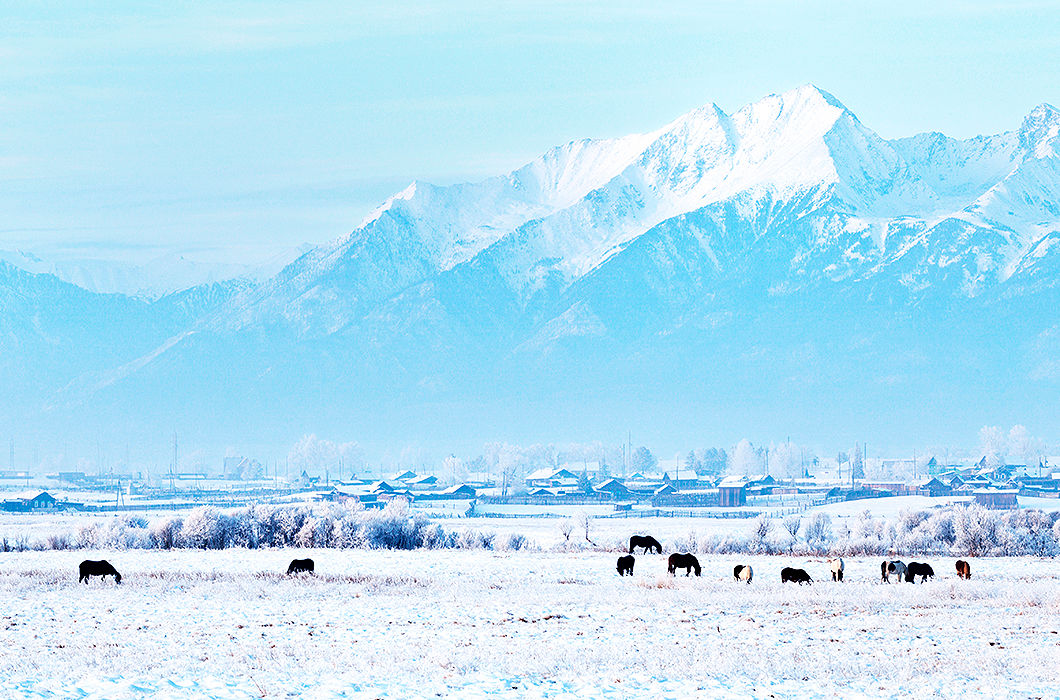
[[174, 467]]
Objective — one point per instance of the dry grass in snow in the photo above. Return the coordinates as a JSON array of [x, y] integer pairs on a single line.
[[475, 623]]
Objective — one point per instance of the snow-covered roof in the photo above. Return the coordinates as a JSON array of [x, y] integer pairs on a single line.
[[540, 474]]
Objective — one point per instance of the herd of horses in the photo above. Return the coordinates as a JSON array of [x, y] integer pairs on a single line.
[[743, 572], [678, 560]]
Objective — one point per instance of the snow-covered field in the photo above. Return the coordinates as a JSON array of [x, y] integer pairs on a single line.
[[457, 623]]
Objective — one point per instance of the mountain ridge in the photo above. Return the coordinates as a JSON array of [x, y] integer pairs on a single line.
[[787, 224]]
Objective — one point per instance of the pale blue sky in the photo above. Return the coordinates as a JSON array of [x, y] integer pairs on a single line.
[[237, 127]]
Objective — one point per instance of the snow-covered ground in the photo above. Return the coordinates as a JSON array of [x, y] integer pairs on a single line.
[[453, 623]]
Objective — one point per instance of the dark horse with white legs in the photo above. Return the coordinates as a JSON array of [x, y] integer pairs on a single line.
[[682, 561], [97, 568], [649, 543], [299, 566]]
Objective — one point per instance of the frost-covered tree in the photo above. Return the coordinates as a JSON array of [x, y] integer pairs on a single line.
[[583, 521], [453, 470], [204, 529], [976, 530], [792, 523], [993, 445], [1030, 449], [819, 530], [566, 527], [744, 459], [315, 455], [760, 531], [857, 465], [785, 460], [642, 460]]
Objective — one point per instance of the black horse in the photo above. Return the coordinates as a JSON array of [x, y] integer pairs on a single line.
[[649, 543], [914, 569], [299, 566], [798, 576], [682, 561], [742, 572], [97, 568], [625, 565]]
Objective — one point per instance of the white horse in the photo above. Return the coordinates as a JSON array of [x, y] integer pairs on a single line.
[[837, 568], [742, 572]]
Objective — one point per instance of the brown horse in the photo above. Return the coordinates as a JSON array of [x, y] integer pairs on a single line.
[[682, 561], [963, 569]]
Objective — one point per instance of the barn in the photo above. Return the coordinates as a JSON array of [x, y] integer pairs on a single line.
[[732, 492], [999, 499]]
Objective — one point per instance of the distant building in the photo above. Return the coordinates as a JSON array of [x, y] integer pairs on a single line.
[[614, 488], [999, 499], [548, 478], [732, 492], [935, 487], [42, 501]]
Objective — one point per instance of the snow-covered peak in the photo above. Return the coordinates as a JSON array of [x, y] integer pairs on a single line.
[[1039, 131]]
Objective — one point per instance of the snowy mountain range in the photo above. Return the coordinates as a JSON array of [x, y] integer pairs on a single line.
[[780, 268]]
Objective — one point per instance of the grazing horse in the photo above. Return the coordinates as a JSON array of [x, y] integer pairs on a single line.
[[625, 565], [299, 566], [897, 568], [742, 572], [649, 543], [798, 576], [963, 569], [915, 569], [682, 561], [837, 568], [97, 568]]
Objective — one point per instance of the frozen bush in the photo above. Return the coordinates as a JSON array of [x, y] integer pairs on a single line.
[[57, 542], [86, 537], [434, 537], [976, 530], [165, 533], [203, 529], [760, 531], [819, 531], [512, 542], [689, 543]]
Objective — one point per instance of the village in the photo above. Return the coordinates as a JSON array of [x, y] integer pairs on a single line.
[[670, 490]]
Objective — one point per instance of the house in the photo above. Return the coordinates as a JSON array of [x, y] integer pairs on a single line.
[[406, 476], [422, 482], [732, 492], [935, 487], [459, 491], [42, 501], [614, 488], [547, 478]]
